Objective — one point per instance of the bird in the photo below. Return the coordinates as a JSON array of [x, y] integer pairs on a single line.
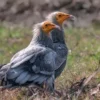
[[57, 35], [2, 65], [35, 64]]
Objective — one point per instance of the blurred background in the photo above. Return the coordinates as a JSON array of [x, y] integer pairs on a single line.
[[82, 36], [28, 12]]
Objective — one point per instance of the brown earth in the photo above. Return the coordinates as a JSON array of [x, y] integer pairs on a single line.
[[28, 12]]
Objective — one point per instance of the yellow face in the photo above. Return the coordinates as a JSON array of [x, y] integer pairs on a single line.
[[61, 17], [48, 26]]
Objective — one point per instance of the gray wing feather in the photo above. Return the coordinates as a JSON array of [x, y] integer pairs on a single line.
[[33, 59], [41, 79], [35, 69], [33, 77], [21, 77], [17, 54], [26, 56], [54, 60], [30, 50], [20, 61], [46, 72], [58, 62], [4, 70], [13, 73], [25, 79]]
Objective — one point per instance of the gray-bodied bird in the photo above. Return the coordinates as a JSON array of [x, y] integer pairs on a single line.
[[36, 64], [58, 37]]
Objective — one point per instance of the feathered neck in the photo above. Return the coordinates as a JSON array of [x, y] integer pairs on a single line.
[[57, 35], [39, 37]]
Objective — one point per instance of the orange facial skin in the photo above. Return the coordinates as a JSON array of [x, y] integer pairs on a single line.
[[48, 26], [61, 17]]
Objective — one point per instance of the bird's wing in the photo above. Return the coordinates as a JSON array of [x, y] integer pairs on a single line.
[[22, 65], [17, 54], [29, 54], [33, 70], [38, 70], [26, 54], [54, 60]]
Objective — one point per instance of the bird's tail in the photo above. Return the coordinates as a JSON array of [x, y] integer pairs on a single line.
[[4, 84], [2, 70], [3, 80], [3, 73]]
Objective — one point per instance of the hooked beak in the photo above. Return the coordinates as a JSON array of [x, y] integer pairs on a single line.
[[72, 17], [68, 16], [53, 26], [57, 27]]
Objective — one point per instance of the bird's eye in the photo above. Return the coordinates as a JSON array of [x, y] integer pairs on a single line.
[[59, 15], [46, 25]]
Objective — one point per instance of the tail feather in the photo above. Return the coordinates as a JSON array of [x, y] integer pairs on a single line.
[[3, 74], [3, 71], [40, 79]]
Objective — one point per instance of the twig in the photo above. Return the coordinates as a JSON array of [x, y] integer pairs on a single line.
[[87, 81], [33, 96]]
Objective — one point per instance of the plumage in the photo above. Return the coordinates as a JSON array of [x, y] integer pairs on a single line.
[[33, 77], [34, 64], [40, 80], [14, 73], [59, 44], [21, 77]]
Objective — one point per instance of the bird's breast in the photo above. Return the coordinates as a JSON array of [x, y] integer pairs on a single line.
[[61, 49]]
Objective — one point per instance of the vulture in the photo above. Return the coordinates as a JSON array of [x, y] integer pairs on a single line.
[[59, 45], [36, 64]]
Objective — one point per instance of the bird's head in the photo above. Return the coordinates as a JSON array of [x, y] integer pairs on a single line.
[[48, 26], [59, 17]]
